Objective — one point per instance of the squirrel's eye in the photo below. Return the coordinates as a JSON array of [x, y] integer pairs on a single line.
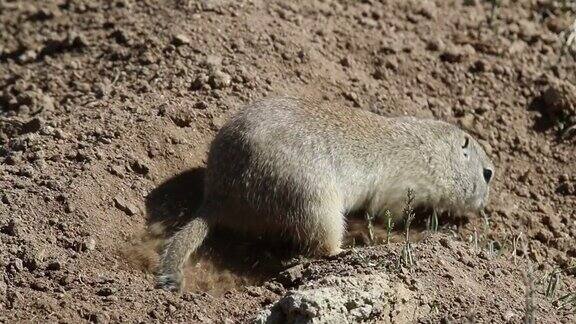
[[466, 142]]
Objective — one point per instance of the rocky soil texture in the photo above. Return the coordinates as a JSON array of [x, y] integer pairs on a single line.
[[107, 108]]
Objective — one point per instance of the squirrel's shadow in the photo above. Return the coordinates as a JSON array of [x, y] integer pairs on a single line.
[[173, 203]]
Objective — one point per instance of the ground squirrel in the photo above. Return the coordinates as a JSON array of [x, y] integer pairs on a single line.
[[293, 168]]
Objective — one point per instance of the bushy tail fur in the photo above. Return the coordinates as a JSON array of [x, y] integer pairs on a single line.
[[177, 251]]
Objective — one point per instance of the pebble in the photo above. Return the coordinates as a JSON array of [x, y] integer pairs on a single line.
[[213, 61], [139, 167], [105, 292], [291, 276], [180, 39], [219, 80], [435, 44], [12, 228], [427, 9], [125, 206], [39, 286], [88, 244], [200, 82], [560, 99], [453, 54], [54, 265], [17, 265], [117, 170]]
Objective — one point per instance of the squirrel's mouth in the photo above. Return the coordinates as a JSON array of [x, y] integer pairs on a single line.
[[480, 201]]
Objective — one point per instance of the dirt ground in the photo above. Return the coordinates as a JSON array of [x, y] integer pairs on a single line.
[[107, 108]]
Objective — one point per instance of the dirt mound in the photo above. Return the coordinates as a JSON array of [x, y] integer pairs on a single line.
[[105, 106]]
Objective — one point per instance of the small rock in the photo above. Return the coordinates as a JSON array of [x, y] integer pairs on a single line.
[[292, 276], [111, 299], [39, 286], [16, 266], [560, 99], [200, 82], [544, 209], [180, 39], [105, 292], [172, 309], [467, 122], [139, 167], [453, 54], [528, 30], [517, 47], [447, 243], [427, 9], [508, 316], [558, 24], [219, 80], [553, 221], [117, 171], [60, 134], [54, 265], [125, 206], [28, 56], [209, 5], [89, 244], [435, 44], [12, 228], [201, 105], [217, 122], [213, 61]]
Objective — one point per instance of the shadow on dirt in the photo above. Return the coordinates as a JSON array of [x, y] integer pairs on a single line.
[[226, 259], [173, 202], [543, 122]]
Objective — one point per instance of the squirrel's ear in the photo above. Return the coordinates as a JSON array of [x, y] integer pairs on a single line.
[[466, 142]]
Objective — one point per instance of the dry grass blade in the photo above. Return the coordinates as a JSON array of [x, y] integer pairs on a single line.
[[569, 41], [370, 225], [409, 215], [389, 225]]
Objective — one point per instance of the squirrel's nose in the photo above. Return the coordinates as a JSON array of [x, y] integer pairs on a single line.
[[487, 175]]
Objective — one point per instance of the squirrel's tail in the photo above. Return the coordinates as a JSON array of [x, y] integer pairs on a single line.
[[177, 251]]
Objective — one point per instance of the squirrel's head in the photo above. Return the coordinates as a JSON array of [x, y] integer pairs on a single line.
[[469, 171]]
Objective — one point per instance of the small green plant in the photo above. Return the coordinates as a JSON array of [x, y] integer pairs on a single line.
[[434, 308], [553, 280], [567, 301], [408, 212], [389, 225], [495, 6], [432, 222]]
